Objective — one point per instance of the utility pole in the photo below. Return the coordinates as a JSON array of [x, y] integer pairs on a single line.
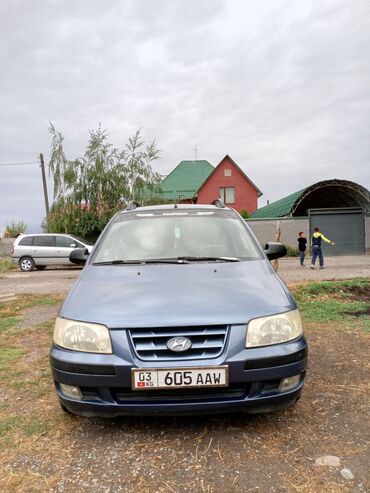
[[42, 166]]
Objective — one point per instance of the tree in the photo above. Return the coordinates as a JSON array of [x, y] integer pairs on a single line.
[[90, 189]]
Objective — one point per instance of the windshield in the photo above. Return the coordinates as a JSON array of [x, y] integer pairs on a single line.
[[178, 233]]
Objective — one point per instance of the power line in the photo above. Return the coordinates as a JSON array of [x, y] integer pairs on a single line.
[[266, 164], [16, 164]]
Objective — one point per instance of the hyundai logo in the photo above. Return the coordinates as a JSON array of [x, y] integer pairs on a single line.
[[179, 344]]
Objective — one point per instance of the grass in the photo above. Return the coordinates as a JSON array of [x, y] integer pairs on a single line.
[[8, 355], [330, 311], [326, 287], [30, 301], [335, 301], [26, 425], [8, 322], [6, 265], [13, 310], [7, 424]]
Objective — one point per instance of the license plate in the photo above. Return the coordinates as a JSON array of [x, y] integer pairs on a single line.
[[170, 378]]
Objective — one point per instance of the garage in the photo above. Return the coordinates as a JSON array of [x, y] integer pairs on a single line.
[[344, 226], [340, 208]]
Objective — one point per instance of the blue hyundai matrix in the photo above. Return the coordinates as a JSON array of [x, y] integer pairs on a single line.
[[178, 310]]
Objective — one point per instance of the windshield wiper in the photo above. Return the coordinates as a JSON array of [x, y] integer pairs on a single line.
[[143, 261], [116, 262], [209, 259], [177, 260]]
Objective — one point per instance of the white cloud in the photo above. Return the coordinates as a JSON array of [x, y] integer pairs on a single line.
[[281, 86]]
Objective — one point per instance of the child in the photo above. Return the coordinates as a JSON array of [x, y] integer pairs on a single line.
[[302, 242], [316, 247]]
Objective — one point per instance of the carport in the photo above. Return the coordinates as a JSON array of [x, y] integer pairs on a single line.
[[340, 208]]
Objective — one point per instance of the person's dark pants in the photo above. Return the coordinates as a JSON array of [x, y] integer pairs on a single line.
[[317, 252], [301, 257]]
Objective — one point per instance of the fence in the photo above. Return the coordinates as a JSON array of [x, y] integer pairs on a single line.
[[6, 246]]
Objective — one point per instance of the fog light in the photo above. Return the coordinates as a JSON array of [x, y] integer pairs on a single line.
[[289, 383], [71, 391]]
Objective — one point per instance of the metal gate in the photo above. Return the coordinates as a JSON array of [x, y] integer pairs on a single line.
[[345, 226]]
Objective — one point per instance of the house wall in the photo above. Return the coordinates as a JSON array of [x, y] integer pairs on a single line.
[[245, 194]]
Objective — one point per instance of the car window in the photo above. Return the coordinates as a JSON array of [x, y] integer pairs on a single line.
[[172, 234], [27, 241], [65, 241], [46, 241]]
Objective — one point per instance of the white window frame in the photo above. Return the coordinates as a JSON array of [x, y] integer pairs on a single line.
[[225, 195]]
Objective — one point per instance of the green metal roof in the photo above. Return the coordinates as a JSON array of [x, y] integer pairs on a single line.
[[185, 180], [280, 208]]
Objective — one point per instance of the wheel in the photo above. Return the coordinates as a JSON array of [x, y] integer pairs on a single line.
[[26, 264], [40, 267]]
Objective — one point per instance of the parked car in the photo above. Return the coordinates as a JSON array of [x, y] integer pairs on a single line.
[[32, 251], [178, 310]]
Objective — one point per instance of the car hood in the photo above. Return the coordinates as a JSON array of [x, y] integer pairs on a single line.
[[162, 295]]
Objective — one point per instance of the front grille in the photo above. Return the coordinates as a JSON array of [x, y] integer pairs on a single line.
[[180, 395], [151, 344]]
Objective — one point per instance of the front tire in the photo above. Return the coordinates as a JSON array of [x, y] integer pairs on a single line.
[[26, 264]]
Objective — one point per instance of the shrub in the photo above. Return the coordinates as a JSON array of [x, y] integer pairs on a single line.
[[14, 229], [244, 213], [291, 251], [6, 265]]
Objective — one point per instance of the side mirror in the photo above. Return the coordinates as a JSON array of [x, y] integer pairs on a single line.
[[79, 256], [73, 245], [274, 250]]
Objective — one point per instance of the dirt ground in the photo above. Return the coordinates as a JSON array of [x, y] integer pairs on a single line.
[[44, 450], [233, 453]]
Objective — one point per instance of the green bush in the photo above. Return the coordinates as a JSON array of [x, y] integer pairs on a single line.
[[6, 265], [291, 251], [244, 213], [14, 228], [86, 222]]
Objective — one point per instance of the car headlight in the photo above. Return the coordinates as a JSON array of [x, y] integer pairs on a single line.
[[82, 336], [274, 329]]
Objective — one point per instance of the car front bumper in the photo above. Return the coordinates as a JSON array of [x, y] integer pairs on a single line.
[[254, 378]]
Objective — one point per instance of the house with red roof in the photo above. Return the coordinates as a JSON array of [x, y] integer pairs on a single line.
[[200, 182]]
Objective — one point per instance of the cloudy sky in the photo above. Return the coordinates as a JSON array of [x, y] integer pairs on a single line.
[[283, 86]]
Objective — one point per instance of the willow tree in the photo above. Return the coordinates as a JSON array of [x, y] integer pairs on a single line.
[[90, 189]]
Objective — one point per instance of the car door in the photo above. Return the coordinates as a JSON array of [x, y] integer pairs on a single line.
[[43, 249], [64, 246]]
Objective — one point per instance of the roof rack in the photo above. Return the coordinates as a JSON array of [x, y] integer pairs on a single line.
[[132, 206], [218, 203]]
